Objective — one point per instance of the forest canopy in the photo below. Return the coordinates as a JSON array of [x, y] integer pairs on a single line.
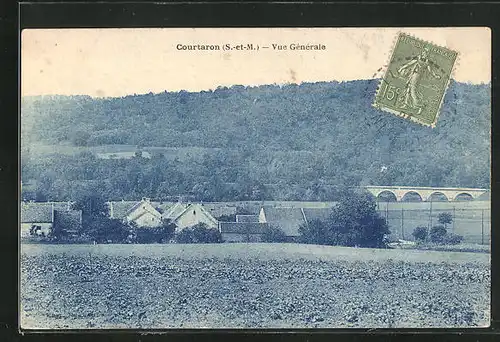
[[289, 142]]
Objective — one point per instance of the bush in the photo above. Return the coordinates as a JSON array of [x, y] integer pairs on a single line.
[[161, 234], [453, 239], [199, 233], [420, 234], [103, 229], [70, 239], [274, 234], [315, 232], [36, 231], [390, 238], [437, 234]]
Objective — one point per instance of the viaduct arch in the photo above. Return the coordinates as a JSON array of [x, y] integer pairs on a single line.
[[425, 193]]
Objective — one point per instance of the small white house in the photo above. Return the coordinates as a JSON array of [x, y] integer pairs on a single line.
[[142, 213], [36, 214], [45, 217], [188, 215], [146, 214]]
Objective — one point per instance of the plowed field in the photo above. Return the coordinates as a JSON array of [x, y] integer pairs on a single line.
[[250, 286]]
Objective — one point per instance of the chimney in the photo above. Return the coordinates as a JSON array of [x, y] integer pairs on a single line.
[[111, 210], [52, 212]]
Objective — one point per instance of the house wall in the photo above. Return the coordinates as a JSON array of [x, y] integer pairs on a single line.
[[148, 220], [25, 228], [144, 216], [192, 217]]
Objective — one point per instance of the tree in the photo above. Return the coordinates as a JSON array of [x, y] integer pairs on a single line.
[[445, 218], [274, 234], [80, 138], [166, 230], [96, 223], [92, 206], [354, 221]]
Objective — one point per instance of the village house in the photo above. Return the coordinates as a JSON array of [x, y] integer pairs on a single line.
[[152, 214], [251, 228], [143, 213], [190, 214], [287, 219], [122, 155], [290, 219], [48, 217]]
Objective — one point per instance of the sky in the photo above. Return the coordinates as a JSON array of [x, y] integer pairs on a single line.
[[118, 62]]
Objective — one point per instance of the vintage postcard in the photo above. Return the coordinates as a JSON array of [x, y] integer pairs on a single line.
[[254, 178]]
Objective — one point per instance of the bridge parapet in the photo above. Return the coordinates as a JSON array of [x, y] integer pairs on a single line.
[[425, 193]]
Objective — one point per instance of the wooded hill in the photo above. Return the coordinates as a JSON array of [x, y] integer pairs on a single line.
[[292, 142]]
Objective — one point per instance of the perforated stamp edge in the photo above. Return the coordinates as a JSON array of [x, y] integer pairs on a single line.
[[456, 63]]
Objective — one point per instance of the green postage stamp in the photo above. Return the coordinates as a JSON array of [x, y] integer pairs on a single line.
[[416, 79]]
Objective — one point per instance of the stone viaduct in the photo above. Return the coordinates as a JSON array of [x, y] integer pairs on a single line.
[[425, 193]]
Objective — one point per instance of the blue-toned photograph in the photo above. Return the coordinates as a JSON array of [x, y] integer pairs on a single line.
[[252, 178]]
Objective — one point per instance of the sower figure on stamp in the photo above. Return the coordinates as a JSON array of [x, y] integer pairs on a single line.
[[414, 70]]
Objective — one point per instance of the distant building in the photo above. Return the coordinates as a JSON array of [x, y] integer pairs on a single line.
[[122, 155], [47, 217], [290, 219], [287, 219], [36, 214], [142, 213], [242, 232], [151, 214], [188, 215], [251, 228]]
